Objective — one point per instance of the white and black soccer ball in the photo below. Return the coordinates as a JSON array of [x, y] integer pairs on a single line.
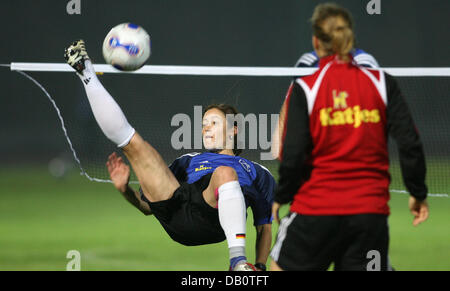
[[127, 47]]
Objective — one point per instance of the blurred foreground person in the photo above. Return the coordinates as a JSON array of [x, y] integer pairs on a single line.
[[334, 128]]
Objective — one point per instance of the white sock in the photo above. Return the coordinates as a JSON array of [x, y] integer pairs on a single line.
[[232, 214], [106, 111]]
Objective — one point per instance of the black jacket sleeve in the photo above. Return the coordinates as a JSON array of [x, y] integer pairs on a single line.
[[401, 127], [296, 147]]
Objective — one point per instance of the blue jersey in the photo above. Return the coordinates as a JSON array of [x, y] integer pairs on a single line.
[[256, 181], [311, 60]]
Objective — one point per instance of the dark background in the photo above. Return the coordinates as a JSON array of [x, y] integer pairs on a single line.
[[198, 32]]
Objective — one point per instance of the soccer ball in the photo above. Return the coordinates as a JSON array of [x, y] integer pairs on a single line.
[[127, 47]]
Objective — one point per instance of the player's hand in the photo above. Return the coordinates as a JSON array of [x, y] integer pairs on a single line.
[[419, 209], [118, 171], [275, 211]]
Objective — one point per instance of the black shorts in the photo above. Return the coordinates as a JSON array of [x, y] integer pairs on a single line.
[[353, 242], [187, 218]]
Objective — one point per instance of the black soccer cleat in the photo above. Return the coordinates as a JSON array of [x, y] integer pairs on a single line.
[[76, 55]]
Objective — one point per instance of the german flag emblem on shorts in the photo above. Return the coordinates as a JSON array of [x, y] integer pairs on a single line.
[[240, 235]]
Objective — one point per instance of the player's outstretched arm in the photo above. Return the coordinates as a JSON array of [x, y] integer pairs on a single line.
[[120, 176], [276, 211], [263, 244]]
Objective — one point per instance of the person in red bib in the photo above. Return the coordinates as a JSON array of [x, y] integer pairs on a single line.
[[334, 170]]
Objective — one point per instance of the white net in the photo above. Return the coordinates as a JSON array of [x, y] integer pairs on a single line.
[[152, 102]]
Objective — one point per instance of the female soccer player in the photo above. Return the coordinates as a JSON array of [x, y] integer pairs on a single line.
[[334, 158], [200, 198]]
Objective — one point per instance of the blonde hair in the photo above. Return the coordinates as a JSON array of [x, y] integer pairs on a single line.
[[333, 26]]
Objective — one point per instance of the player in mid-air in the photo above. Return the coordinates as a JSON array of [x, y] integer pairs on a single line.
[[201, 198]]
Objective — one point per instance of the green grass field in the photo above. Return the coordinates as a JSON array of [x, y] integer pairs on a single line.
[[42, 218]]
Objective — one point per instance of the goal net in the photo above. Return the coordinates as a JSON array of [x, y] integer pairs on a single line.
[[165, 103]]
